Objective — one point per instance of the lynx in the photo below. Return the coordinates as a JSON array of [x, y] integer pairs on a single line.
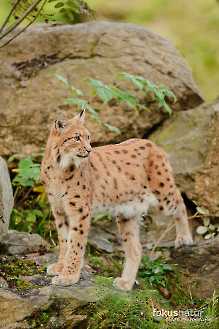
[[124, 179]]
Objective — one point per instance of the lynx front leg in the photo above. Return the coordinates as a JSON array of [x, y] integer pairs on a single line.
[[62, 226], [77, 239], [129, 231]]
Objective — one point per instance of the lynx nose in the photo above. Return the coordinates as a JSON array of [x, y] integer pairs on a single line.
[[88, 148]]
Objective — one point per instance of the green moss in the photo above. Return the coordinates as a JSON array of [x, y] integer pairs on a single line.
[[11, 268], [23, 285], [109, 265], [190, 325], [152, 274], [41, 319], [116, 309], [103, 281], [134, 309]]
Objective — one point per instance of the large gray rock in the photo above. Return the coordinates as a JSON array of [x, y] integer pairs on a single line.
[[21, 243], [6, 197], [31, 96], [191, 139]]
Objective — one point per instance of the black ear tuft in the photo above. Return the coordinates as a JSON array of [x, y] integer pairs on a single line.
[[81, 114], [80, 117]]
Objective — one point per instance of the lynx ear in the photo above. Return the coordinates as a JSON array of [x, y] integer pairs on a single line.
[[59, 125], [81, 116]]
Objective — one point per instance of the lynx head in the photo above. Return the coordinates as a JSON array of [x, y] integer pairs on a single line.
[[72, 141]]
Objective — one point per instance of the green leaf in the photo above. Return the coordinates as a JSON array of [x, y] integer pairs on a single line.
[[202, 210], [63, 79], [155, 271], [74, 5], [94, 114], [160, 92], [201, 230], [124, 96], [78, 92], [206, 221], [106, 93], [167, 92], [138, 81], [59, 5], [69, 14], [112, 128], [167, 108], [103, 91], [81, 103], [28, 173]]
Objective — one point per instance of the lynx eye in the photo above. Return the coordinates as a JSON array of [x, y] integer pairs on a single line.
[[77, 137]]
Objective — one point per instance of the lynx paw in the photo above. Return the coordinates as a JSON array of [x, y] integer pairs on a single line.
[[122, 284], [65, 280], [183, 240], [54, 269]]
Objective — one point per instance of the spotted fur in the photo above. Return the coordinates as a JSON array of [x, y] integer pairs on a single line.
[[125, 179]]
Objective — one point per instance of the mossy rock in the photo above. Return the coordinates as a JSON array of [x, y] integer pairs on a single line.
[[94, 302]]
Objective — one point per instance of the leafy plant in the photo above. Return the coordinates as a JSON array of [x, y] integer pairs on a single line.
[[155, 271], [33, 220], [26, 12], [31, 212], [84, 104], [106, 93], [68, 11], [160, 92], [207, 230], [28, 173]]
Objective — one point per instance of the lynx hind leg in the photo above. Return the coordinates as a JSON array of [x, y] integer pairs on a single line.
[[129, 231], [170, 202], [183, 233], [173, 205]]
